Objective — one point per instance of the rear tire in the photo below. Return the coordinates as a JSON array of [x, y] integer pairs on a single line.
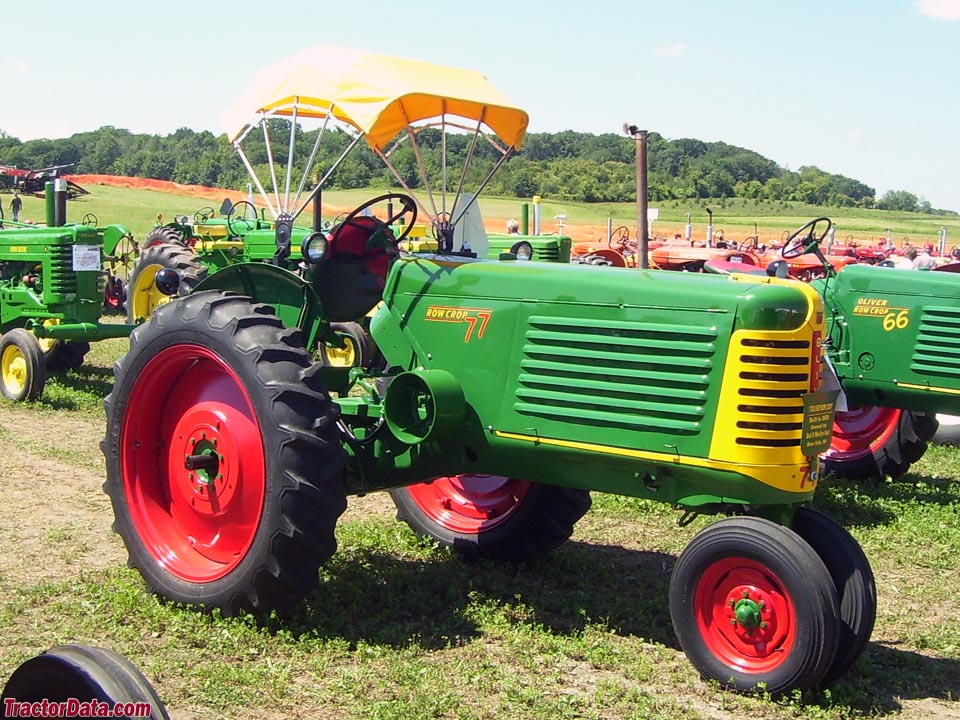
[[80, 673], [143, 298], [165, 234], [224, 463], [23, 371], [754, 607], [488, 516], [874, 442]]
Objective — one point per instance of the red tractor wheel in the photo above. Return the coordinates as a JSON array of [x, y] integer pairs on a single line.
[[875, 442], [853, 579], [224, 491], [492, 516], [754, 607]]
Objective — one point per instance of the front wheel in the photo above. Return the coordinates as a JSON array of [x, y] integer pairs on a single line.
[[490, 516], [357, 350], [223, 457], [754, 607], [143, 297], [873, 442], [853, 579], [23, 370]]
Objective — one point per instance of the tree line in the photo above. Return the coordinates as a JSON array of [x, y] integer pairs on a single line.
[[563, 166]]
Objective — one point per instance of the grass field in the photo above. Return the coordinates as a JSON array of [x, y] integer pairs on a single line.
[[138, 210], [401, 629]]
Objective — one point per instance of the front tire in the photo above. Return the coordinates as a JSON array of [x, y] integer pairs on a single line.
[[873, 442], [754, 607], [852, 578], [356, 352], [223, 459], [23, 370], [489, 516]]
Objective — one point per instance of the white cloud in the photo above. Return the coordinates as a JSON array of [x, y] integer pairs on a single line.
[[675, 50], [854, 135], [940, 9], [20, 67]]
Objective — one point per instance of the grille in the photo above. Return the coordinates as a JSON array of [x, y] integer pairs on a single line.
[[62, 278], [773, 377], [547, 254], [937, 350], [614, 374]]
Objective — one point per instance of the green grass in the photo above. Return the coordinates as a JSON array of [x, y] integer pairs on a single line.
[[137, 209], [401, 629]]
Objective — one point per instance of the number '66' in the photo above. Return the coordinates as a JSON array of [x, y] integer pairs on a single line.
[[896, 321]]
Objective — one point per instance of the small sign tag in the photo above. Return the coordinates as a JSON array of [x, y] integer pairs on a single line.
[[86, 257], [817, 431]]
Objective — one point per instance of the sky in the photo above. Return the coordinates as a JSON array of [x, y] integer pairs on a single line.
[[860, 88]]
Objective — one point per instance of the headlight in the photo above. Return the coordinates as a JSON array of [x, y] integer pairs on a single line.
[[523, 250], [314, 247]]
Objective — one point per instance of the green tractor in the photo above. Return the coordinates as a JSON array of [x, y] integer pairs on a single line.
[[230, 452], [53, 288], [892, 339]]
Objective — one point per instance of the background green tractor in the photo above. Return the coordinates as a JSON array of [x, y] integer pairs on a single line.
[[508, 391], [52, 292], [892, 339]]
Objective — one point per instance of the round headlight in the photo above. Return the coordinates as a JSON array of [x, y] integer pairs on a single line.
[[523, 250], [314, 247]]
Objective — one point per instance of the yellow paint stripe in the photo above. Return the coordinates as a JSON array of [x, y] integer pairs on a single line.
[[930, 388]]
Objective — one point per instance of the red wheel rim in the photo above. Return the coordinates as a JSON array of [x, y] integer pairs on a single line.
[[860, 431], [470, 504], [744, 615], [198, 519]]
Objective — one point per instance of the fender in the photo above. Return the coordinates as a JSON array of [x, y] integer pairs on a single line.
[[294, 301]]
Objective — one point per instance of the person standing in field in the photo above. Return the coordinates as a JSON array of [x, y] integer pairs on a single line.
[[513, 227], [15, 206], [925, 260]]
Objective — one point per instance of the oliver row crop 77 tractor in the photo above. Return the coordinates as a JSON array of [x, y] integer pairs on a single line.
[[52, 289], [508, 391]]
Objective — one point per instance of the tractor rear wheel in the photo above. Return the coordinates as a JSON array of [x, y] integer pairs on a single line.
[[754, 607], [489, 516], [357, 350], [23, 371], [81, 673], [143, 297], [164, 234], [853, 579], [224, 463], [876, 442]]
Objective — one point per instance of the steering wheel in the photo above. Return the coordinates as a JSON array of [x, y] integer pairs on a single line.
[[247, 222], [749, 244], [621, 236], [203, 214], [89, 219], [408, 206], [806, 239]]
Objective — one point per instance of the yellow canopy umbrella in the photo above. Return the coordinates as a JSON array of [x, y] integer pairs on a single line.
[[379, 95]]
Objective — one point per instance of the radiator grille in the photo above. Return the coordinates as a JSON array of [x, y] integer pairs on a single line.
[[63, 280], [937, 350], [773, 377], [629, 375]]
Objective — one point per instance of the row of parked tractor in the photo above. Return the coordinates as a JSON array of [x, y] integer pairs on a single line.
[[279, 364]]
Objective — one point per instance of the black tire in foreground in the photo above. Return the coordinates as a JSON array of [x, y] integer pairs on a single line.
[[23, 370], [143, 297], [852, 578], [877, 442], [81, 674], [488, 516], [754, 607], [224, 463]]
